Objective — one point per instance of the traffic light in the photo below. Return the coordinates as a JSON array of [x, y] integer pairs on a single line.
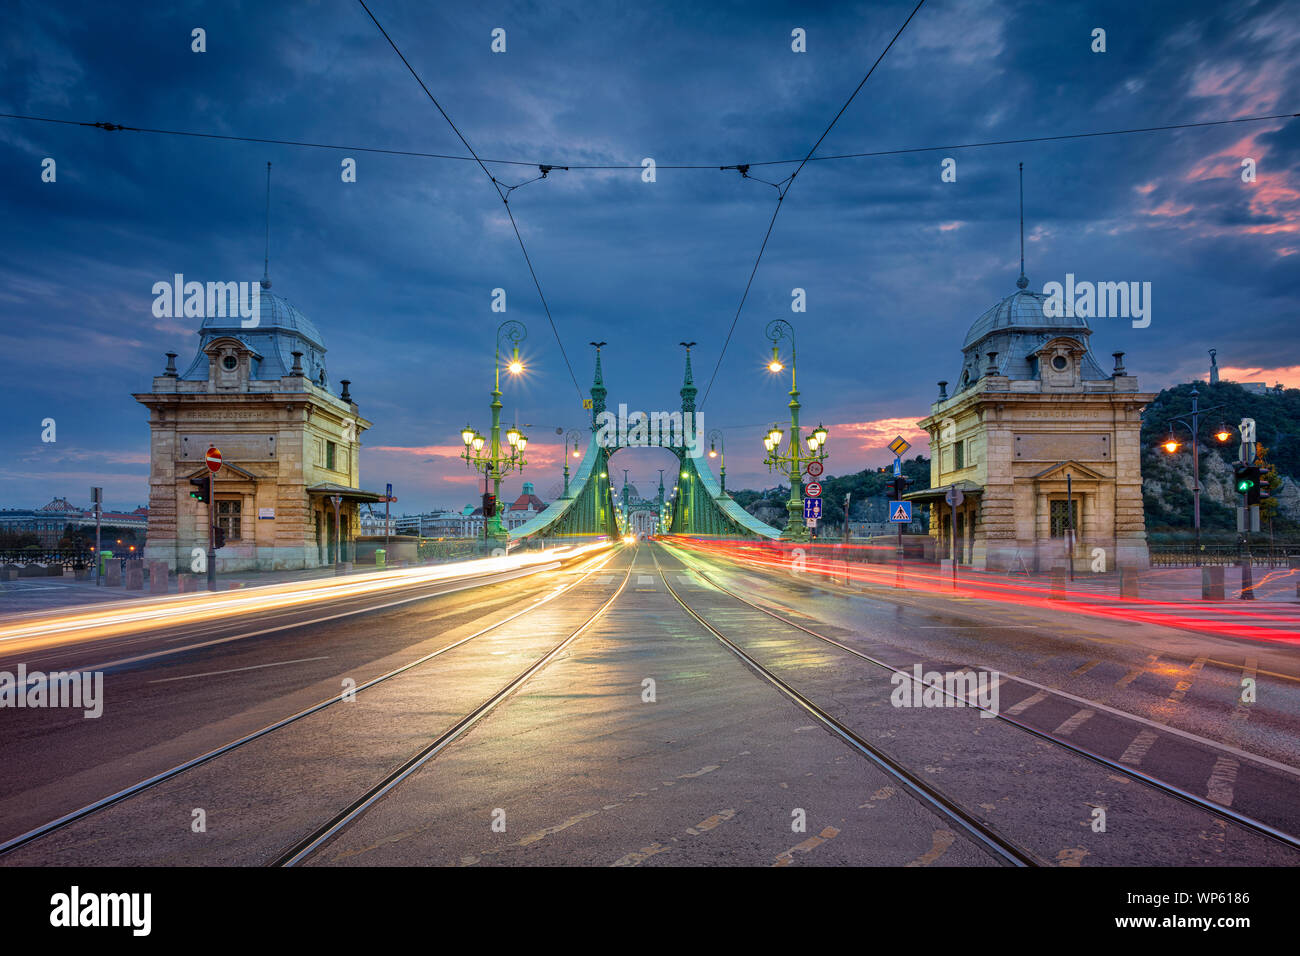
[[1265, 486], [1246, 480], [200, 490], [218, 537], [897, 486]]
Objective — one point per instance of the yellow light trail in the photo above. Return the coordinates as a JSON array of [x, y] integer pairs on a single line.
[[22, 632]]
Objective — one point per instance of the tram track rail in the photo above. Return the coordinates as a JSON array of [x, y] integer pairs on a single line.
[[126, 793], [1005, 850], [1290, 840], [337, 824]]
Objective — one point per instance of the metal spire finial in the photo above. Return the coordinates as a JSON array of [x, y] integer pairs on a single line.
[[266, 261], [1022, 282]]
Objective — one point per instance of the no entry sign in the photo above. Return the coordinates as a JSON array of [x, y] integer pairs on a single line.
[[813, 489], [213, 458]]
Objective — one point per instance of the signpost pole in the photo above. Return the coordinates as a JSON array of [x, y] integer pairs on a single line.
[[212, 545], [953, 536], [1247, 456], [388, 498], [954, 497], [98, 495], [1069, 526], [213, 460], [338, 541]]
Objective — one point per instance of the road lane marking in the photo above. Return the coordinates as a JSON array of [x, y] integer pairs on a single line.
[[722, 816], [1223, 780], [1138, 748], [1084, 668], [1071, 724], [1163, 728], [636, 859], [787, 857], [1180, 690], [1136, 672], [237, 670], [941, 841], [643, 579], [1254, 669], [1221, 787], [1035, 698]]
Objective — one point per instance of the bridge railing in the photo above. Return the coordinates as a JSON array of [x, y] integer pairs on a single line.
[[46, 557]]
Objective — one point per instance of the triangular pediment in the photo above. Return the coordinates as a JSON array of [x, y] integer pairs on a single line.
[[1059, 470]]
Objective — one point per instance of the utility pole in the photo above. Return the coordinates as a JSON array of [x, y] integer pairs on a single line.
[[847, 496]]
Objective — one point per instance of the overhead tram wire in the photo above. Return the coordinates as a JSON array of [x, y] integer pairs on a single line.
[[116, 127], [504, 195], [786, 186]]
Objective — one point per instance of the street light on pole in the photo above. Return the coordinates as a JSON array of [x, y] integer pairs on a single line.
[[715, 440], [496, 462], [1172, 444], [791, 462], [574, 436]]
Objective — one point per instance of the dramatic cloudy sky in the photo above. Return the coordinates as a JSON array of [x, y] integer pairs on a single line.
[[397, 269]]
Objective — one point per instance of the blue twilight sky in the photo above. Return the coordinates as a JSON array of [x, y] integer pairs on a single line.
[[397, 269]]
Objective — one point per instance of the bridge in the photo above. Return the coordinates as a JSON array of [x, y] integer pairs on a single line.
[[699, 508]]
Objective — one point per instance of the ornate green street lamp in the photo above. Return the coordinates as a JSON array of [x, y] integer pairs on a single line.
[[792, 461], [574, 436], [715, 440], [494, 461]]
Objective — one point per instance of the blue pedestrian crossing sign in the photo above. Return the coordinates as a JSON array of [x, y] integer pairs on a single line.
[[900, 511], [812, 508]]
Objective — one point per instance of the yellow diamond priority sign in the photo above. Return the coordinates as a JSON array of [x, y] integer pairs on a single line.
[[899, 445]]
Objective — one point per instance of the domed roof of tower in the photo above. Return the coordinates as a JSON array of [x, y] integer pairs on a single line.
[[1013, 330], [277, 313], [281, 330], [1023, 311]]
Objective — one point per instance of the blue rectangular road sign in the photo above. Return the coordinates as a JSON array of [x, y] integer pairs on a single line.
[[900, 511], [812, 508], [898, 466]]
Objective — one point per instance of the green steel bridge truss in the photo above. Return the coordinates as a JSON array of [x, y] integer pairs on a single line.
[[700, 508]]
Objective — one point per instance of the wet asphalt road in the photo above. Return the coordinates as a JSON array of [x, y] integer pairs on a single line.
[[647, 742]]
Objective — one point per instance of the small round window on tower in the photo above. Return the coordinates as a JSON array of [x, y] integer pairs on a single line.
[[1059, 363], [229, 362]]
